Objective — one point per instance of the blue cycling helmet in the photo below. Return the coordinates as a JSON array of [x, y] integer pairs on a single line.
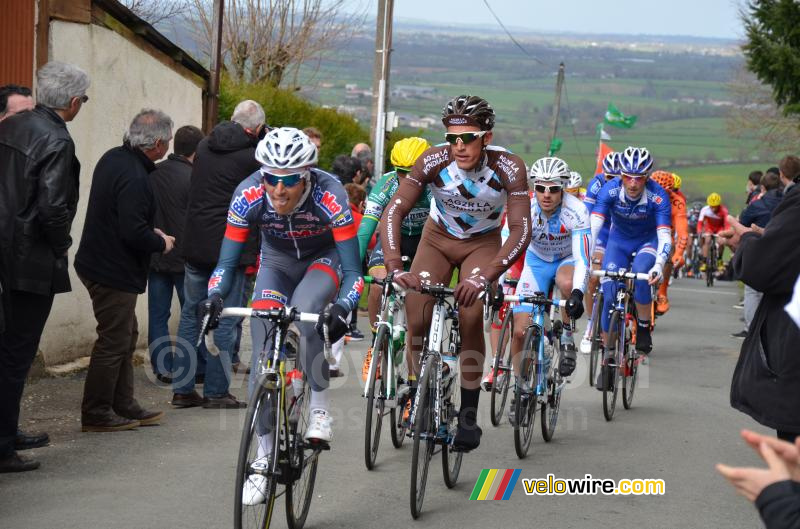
[[635, 161], [611, 164]]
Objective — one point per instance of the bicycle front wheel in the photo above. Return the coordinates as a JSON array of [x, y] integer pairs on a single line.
[[375, 398], [612, 371], [525, 394], [552, 389], [424, 436], [451, 459], [502, 369], [597, 342], [256, 476], [303, 459], [631, 370]]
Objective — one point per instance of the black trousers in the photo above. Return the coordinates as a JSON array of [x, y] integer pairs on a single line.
[[18, 345], [787, 436]]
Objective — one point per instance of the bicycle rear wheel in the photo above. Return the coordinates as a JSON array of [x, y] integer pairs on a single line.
[[612, 373], [398, 427], [525, 394], [594, 355], [502, 369], [375, 398], [424, 436], [303, 459], [256, 464], [552, 389]]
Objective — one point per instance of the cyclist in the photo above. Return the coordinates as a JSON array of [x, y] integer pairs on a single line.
[[713, 219], [309, 253], [610, 172], [574, 185], [640, 213], [693, 215], [472, 182], [676, 186], [558, 254], [404, 153], [680, 236]]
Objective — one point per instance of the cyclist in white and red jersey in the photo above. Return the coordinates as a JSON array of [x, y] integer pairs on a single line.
[[713, 219]]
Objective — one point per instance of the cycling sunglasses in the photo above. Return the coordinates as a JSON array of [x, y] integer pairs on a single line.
[[465, 137], [288, 180], [633, 176], [547, 189]]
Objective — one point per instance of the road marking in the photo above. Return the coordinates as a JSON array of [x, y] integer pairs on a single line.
[[709, 291]]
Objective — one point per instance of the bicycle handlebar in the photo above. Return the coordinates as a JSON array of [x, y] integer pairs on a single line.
[[621, 275], [539, 300]]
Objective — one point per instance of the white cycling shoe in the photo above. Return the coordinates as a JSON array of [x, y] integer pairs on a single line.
[[254, 490], [319, 427]]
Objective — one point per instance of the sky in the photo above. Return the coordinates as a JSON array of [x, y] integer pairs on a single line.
[[701, 18]]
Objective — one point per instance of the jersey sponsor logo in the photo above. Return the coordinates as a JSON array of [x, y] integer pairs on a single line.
[[655, 197], [307, 216], [245, 200], [342, 220], [466, 205], [296, 234], [323, 261], [274, 296], [327, 201], [432, 160], [509, 167], [235, 220], [553, 237], [215, 279], [355, 294]]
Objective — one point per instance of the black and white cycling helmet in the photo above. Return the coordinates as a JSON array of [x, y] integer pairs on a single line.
[[286, 148], [575, 180], [468, 110], [549, 170], [635, 161]]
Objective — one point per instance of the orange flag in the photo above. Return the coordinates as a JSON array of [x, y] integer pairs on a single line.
[[602, 151]]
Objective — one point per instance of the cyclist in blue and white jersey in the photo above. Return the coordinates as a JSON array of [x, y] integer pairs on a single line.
[[640, 213], [558, 253], [610, 171]]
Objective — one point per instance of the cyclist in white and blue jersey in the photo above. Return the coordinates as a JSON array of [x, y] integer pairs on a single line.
[[640, 213]]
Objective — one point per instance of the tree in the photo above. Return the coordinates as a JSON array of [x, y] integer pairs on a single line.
[[269, 40], [773, 48], [155, 11]]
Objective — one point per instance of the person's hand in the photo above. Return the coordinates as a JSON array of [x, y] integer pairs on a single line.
[[468, 290], [406, 280], [574, 305], [337, 318], [757, 229], [169, 240], [655, 273], [678, 261], [211, 307], [738, 228], [789, 452], [748, 481]]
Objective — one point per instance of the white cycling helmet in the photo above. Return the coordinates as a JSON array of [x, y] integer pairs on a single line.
[[575, 180], [286, 148], [549, 170]]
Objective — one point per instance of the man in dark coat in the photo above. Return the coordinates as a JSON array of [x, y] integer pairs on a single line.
[[112, 262], [170, 182], [38, 201], [766, 381], [224, 159]]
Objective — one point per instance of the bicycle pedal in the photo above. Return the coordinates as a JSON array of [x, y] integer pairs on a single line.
[[316, 444]]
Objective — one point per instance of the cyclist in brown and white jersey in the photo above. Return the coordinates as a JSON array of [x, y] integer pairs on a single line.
[[472, 183]]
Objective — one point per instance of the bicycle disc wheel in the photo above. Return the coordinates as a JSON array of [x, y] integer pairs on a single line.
[[262, 404], [303, 461], [375, 399], [552, 391], [525, 395], [594, 355], [424, 437], [451, 460], [502, 368], [612, 373]]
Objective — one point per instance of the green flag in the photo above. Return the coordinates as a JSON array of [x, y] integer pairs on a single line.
[[615, 118], [555, 146]]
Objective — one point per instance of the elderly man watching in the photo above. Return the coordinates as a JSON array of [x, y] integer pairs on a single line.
[[112, 262], [38, 200]]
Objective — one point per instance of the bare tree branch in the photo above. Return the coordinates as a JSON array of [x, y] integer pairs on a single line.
[[155, 11]]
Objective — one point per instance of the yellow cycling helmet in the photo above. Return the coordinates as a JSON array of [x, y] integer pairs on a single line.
[[406, 151], [676, 181], [714, 200]]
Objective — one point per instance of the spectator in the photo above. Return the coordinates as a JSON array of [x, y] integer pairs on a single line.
[[360, 148], [38, 201], [224, 159], [753, 186], [357, 198], [764, 383], [170, 183], [314, 135], [363, 152], [347, 169], [113, 258], [14, 99]]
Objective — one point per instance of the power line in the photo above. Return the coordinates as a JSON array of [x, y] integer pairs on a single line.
[[526, 52]]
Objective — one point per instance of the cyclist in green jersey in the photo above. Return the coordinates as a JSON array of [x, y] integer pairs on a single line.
[[404, 153]]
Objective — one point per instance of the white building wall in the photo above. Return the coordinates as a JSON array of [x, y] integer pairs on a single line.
[[124, 80]]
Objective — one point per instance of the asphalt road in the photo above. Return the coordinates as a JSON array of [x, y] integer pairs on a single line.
[[180, 474]]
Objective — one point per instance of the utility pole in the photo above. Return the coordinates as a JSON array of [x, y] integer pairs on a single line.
[[380, 81], [212, 97], [557, 104]]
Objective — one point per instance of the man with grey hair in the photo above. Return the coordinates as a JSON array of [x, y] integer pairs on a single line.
[[113, 260], [38, 200], [224, 158]]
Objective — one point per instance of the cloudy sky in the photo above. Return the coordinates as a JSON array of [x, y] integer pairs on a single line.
[[703, 18]]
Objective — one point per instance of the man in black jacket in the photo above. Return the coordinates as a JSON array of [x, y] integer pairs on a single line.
[[766, 381], [112, 262], [170, 182], [224, 159], [38, 200]]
